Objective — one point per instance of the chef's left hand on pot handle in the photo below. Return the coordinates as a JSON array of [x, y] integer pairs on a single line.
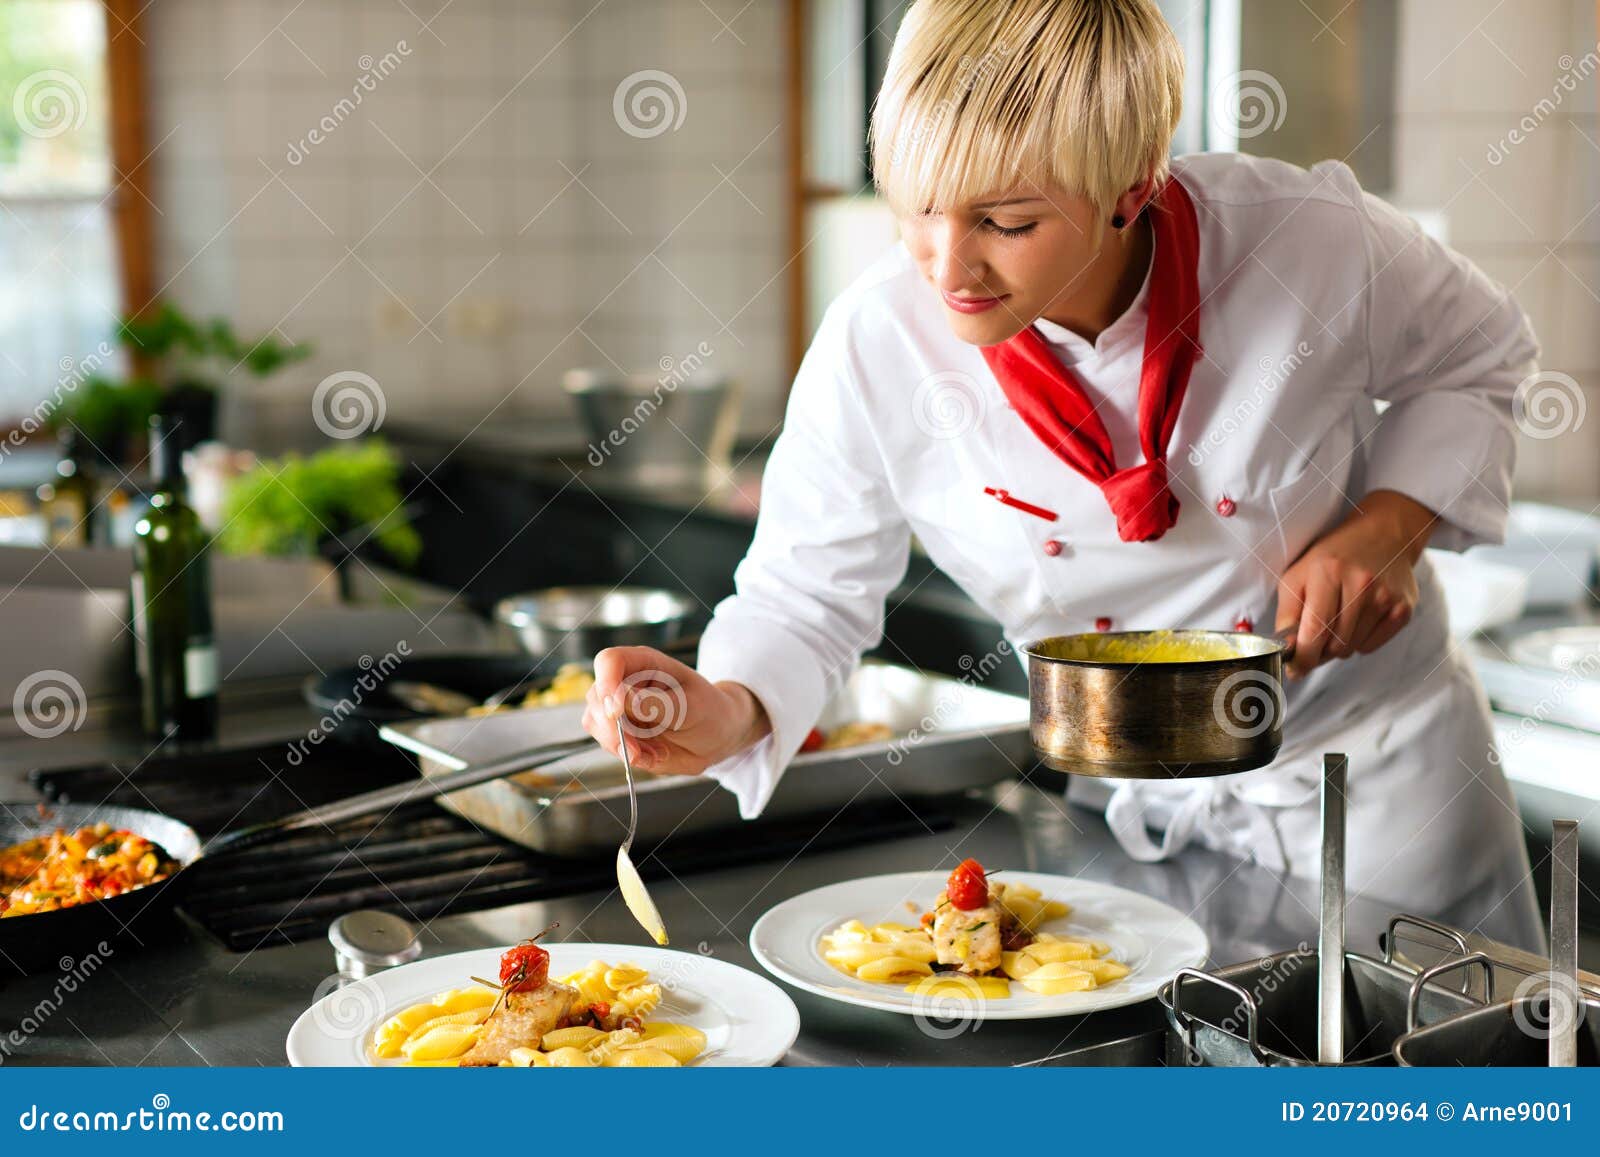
[[1354, 589]]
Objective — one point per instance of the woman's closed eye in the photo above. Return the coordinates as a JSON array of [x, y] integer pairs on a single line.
[[1008, 230]]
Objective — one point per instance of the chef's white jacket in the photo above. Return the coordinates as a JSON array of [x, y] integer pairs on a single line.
[[1345, 352]]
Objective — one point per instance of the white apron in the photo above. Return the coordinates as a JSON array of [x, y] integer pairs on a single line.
[[1344, 352]]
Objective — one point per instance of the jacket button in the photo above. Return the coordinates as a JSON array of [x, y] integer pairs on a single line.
[[1244, 626], [1103, 623], [1226, 506], [1052, 546]]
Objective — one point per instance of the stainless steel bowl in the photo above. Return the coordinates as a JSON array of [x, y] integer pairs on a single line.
[[1215, 714], [573, 624], [675, 428]]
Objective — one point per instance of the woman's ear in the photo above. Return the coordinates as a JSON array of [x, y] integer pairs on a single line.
[[1127, 207]]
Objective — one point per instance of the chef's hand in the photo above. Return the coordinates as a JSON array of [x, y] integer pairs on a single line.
[[1354, 589], [676, 720]]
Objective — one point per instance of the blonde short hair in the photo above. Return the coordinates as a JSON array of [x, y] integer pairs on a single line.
[[983, 94]]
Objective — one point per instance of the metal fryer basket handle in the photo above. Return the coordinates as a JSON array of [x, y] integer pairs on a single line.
[[1414, 997], [1451, 934], [1248, 1002]]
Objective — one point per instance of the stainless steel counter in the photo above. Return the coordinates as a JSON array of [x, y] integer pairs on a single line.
[[189, 1002]]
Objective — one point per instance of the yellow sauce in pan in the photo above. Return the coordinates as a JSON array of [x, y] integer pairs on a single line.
[[1153, 647]]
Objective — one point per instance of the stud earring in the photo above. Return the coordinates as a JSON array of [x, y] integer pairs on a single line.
[[1118, 221]]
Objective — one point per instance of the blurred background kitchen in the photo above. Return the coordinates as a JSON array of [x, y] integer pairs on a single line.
[[462, 298]]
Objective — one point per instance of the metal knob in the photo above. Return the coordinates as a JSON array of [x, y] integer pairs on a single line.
[[369, 941]]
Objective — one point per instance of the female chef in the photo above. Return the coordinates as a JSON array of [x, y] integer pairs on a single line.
[[1109, 393]]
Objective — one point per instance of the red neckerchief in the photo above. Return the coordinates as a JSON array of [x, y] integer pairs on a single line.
[[1051, 400]]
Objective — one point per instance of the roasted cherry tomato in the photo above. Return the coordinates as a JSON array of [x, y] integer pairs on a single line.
[[814, 740], [524, 968], [968, 887]]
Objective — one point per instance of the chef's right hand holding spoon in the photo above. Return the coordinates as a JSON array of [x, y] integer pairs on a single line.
[[676, 720]]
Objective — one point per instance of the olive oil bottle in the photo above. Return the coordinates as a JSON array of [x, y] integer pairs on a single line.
[[175, 652]]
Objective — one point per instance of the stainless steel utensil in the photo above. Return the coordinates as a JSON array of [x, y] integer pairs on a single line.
[[1565, 1000], [675, 428], [1502, 1034], [1212, 715], [1330, 936], [979, 737], [634, 894], [1266, 1012], [573, 624]]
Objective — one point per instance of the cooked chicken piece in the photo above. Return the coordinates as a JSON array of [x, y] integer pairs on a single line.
[[970, 939], [521, 1022]]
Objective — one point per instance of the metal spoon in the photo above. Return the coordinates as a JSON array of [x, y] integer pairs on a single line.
[[634, 894]]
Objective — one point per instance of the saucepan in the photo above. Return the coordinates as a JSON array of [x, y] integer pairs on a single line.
[[1177, 704]]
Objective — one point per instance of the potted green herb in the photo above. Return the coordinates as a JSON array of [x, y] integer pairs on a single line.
[[347, 496]]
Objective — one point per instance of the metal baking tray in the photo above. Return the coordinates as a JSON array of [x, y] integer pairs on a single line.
[[949, 736]]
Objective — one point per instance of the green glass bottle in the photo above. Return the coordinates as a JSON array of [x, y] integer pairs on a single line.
[[175, 651]]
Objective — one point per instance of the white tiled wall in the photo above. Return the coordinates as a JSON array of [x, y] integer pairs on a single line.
[[481, 222], [1528, 213]]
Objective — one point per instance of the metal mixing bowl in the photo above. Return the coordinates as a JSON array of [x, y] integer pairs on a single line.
[[1213, 715], [573, 624]]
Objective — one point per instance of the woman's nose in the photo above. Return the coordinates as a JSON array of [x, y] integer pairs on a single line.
[[957, 265]]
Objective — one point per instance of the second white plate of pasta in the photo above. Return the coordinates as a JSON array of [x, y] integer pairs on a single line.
[[425, 1013], [1110, 947]]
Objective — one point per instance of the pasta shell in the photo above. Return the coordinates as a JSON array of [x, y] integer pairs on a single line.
[[893, 968], [441, 1043], [570, 1058], [642, 1059]]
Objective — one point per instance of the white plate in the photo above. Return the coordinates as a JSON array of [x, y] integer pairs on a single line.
[[748, 1020], [1152, 938]]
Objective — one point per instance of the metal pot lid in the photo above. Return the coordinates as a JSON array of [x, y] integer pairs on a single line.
[[1565, 649]]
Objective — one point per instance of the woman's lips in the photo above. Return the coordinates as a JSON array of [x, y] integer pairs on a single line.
[[972, 304]]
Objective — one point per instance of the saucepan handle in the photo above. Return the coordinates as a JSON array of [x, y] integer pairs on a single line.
[[1287, 638]]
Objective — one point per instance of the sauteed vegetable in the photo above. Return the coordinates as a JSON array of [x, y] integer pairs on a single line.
[[69, 868]]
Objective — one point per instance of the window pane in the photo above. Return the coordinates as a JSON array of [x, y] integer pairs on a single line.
[[59, 300]]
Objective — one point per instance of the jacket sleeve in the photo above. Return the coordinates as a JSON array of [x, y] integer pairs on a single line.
[[1448, 349], [830, 544]]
